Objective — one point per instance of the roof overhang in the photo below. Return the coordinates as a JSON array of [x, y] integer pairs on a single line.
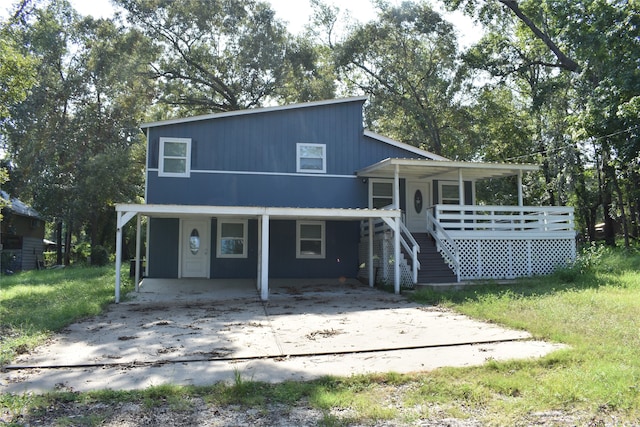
[[252, 111], [443, 169], [156, 210]]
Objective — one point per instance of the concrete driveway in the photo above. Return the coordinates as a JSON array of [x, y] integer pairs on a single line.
[[195, 332]]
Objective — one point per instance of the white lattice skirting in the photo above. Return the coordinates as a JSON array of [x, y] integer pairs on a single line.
[[508, 259], [383, 262]]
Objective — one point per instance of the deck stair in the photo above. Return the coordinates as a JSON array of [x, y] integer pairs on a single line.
[[433, 268]]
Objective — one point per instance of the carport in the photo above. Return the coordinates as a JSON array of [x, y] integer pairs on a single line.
[[126, 212]]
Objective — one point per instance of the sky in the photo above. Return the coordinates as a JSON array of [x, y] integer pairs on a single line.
[[296, 13]]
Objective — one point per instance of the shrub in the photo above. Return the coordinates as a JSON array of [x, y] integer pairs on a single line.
[[99, 256]]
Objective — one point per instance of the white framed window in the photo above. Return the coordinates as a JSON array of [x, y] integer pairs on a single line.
[[310, 239], [232, 238], [449, 193], [311, 158], [381, 193], [175, 157]]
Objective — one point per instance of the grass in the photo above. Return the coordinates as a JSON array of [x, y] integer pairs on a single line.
[[593, 307], [35, 304]]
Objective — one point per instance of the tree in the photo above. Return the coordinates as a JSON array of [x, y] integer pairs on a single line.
[[589, 100], [406, 62], [74, 142], [17, 75], [219, 55]]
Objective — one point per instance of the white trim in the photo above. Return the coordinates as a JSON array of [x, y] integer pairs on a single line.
[[404, 146], [223, 172], [252, 111], [299, 239], [222, 221], [300, 169], [187, 157]]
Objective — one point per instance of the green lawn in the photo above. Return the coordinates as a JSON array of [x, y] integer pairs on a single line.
[[594, 308], [35, 304]]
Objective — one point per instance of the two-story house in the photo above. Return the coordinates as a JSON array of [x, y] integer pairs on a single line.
[[294, 191]]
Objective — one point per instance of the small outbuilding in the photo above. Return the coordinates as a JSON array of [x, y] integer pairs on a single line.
[[21, 236]]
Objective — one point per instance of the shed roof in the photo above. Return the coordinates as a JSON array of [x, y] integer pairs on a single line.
[[19, 207]]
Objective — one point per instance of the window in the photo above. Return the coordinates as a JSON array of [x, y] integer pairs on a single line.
[[232, 238], [449, 194], [311, 158], [310, 239], [175, 157], [381, 194]]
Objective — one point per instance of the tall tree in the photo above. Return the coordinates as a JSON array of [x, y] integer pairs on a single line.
[[406, 60], [72, 140], [218, 55]]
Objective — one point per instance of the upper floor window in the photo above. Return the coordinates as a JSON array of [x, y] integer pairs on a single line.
[[311, 158], [175, 157]]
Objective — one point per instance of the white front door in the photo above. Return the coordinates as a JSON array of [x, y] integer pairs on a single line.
[[418, 201], [195, 239]]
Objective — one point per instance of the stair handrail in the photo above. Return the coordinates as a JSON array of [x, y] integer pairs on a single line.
[[405, 235], [445, 245]]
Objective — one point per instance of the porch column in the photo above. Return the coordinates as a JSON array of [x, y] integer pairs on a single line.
[[460, 187], [396, 187], [520, 200], [396, 250], [138, 245], [370, 260], [259, 278], [264, 265]]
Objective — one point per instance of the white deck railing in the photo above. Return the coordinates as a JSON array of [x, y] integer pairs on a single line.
[[493, 242], [505, 221]]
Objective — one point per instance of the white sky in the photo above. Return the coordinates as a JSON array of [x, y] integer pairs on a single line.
[[295, 12]]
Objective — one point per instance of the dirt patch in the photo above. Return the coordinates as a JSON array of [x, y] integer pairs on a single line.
[[323, 334]]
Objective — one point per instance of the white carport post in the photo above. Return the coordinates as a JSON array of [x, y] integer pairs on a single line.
[[259, 278], [372, 279], [396, 231], [122, 220], [138, 246], [264, 259]]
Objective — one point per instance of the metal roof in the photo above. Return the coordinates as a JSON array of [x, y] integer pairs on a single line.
[[443, 169], [252, 111], [18, 207]]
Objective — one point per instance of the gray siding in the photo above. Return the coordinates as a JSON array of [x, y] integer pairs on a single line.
[[31, 251]]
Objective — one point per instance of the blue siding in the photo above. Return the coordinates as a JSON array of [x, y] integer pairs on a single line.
[[372, 151], [164, 241], [267, 141], [262, 190], [341, 252]]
